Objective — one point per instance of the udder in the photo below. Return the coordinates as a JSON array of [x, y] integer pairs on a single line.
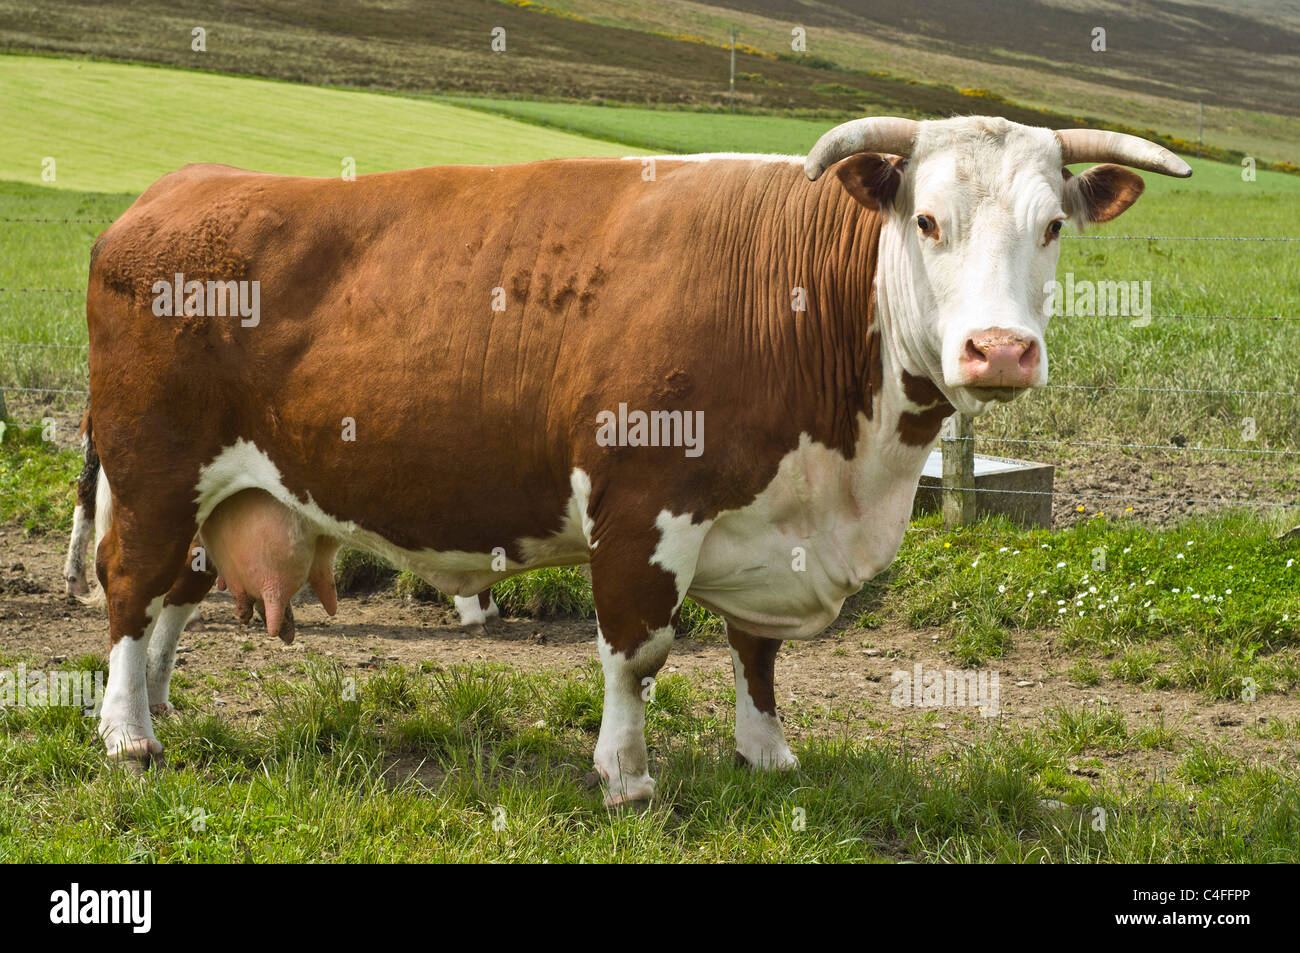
[[264, 553]]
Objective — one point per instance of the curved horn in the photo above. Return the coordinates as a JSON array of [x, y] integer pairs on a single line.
[[885, 134], [1100, 145]]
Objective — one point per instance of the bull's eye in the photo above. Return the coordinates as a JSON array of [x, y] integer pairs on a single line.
[[1054, 229], [927, 225]]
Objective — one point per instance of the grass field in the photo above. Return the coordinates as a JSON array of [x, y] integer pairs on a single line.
[[117, 128], [483, 764], [466, 762]]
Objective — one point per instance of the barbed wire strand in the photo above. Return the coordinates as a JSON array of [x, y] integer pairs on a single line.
[[1182, 238], [45, 390], [1118, 496], [79, 347], [1126, 446], [1173, 390]]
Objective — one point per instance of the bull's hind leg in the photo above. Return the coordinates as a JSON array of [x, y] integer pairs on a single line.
[[137, 567], [179, 605], [475, 611], [760, 739], [75, 578]]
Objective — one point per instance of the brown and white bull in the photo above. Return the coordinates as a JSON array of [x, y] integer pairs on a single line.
[[715, 376]]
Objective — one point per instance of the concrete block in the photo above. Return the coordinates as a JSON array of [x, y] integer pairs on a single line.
[[1031, 509]]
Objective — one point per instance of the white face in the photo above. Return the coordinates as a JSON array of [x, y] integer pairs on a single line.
[[972, 241]]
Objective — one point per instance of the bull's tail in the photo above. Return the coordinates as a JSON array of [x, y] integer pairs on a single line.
[[90, 518]]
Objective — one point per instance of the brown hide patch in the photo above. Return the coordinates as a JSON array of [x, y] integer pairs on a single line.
[[633, 596], [191, 585], [921, 390], [1104, 191], [758, 657], [918, 429]]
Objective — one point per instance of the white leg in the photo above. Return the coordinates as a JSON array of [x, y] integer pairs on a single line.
[[472, 612], [760, 739], [621, 757], [162, 654], [75, 578], [124, 721]]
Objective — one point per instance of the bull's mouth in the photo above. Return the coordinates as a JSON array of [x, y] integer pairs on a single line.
[[1002, 395]]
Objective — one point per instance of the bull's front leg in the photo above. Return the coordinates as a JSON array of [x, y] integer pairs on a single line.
[[638, 583], [622, 759], [760, 739]]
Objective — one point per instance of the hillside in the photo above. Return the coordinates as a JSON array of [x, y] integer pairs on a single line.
[[1241, 59], [673, 54]]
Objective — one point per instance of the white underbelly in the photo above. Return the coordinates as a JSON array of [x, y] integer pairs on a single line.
[[243, 466]]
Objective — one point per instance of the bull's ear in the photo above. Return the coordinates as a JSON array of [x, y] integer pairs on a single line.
[[871, 179], [1101, 193]]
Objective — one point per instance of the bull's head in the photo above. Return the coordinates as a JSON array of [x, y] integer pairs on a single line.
[[972, 211]]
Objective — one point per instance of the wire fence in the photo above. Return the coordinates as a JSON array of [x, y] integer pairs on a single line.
[[961, 494]]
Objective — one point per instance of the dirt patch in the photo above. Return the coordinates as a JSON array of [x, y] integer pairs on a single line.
[[1159, 488], [837, 685]]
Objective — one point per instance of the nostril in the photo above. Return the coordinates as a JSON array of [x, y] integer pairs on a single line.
[[973, 352], [1029, 357]]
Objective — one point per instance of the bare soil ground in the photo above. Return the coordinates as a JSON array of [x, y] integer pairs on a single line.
[[837, 685], [1163, 487]]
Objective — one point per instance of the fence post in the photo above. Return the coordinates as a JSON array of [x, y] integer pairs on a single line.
[[958, 446], [4, 411], [731, 100]]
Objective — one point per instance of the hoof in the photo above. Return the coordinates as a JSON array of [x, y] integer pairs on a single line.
[[76, 587], [141, 766], [777, 761], [162, 708], [626, 792], [137, 755], [622, 805]]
